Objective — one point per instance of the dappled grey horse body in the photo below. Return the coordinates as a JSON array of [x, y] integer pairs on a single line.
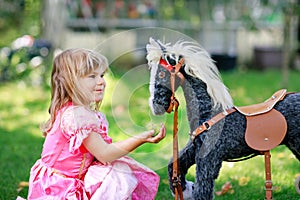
[[206, 96]]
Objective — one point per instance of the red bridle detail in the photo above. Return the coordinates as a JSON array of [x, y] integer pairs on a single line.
[[165, 64]]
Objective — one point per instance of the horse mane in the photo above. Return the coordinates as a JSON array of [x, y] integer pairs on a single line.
[[199, 64]]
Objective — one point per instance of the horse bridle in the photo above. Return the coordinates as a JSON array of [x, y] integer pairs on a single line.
[[174, 71], [174, 104]]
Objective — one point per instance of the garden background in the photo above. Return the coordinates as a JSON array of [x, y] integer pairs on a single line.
[[25, 95]]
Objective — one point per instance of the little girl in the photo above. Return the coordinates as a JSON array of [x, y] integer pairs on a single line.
[[79, 160]]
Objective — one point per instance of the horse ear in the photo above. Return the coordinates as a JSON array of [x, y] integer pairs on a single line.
[[154, 50], [152, 46], [157, 44]]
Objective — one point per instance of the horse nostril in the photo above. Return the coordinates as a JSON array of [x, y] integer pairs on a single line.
[[172, 62]]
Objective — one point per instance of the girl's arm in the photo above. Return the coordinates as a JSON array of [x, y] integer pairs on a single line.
[[104, 152]]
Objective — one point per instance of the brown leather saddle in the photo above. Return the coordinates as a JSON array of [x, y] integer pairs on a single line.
[[266, 127]]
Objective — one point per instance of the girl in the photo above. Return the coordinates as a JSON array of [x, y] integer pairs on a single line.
[[79, 160]]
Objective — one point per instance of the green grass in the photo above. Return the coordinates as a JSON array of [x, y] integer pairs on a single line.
[[23, 108]]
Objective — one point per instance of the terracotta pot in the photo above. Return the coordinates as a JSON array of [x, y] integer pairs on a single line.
[[267, 58]]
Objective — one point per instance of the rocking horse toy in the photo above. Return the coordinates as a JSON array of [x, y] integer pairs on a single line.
[[219, 131]]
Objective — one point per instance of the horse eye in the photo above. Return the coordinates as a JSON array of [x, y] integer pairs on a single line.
[[161, 74]]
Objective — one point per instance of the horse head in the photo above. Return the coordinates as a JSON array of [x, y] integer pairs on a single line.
[[163, 63], [163, 60]]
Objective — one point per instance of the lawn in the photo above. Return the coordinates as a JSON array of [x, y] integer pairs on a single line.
[[23, 108]]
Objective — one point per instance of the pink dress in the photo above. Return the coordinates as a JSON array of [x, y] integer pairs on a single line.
[[67, 170]]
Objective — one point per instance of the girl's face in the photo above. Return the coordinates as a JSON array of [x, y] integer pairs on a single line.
[[93, 85]]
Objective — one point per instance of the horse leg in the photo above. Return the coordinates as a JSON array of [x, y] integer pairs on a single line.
[[186, 159], [207, 170]]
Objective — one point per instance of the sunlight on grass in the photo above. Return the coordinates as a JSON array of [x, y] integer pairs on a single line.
[[252, 87], [19, 104]]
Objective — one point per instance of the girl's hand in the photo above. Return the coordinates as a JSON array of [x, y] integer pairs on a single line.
[[152, 137], [105, 152]]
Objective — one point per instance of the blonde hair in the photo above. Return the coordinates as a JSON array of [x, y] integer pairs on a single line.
[[68, 66]]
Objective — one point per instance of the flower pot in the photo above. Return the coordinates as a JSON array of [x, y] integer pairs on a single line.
[[267, 58], [224, 62]]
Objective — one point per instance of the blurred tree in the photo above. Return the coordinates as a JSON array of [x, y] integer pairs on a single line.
[[17, 18], [11, 12], [291, 11], [52, 13]]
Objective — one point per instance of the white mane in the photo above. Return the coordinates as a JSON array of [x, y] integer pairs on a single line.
[[198, 63]]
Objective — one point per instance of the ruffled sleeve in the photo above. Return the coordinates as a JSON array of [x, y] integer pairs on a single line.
[[78, 122]]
